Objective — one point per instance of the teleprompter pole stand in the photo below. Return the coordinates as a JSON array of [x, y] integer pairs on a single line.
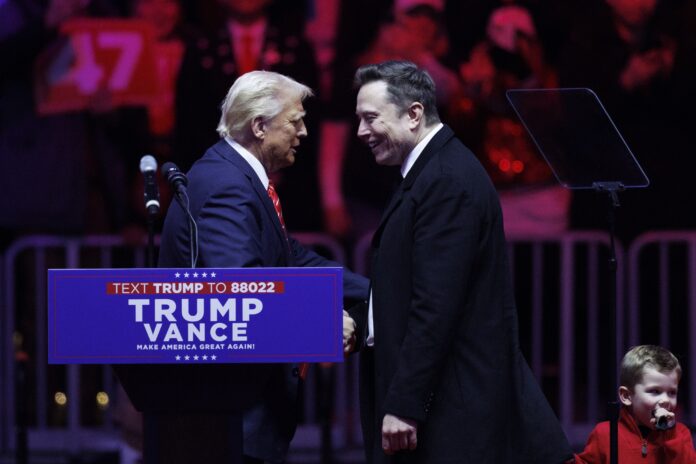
[[582, 145], [612, 189]]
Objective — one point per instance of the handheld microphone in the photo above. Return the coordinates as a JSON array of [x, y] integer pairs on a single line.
[[662, 423], [175, 177], [148, 166], [664, 420]]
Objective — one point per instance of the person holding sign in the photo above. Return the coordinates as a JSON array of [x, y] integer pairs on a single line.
[[240, 224]]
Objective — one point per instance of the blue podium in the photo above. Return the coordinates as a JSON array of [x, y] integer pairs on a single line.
[[193, 348]]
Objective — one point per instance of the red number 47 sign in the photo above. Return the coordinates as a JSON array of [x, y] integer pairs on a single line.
[[105, 58]]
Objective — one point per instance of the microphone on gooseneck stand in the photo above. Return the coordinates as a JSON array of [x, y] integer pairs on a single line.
[[178, 181], [176, 178], [148, 166]]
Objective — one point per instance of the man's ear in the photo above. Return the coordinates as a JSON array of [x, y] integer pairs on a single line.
[[258, 128], [416, 113], [625, 396]]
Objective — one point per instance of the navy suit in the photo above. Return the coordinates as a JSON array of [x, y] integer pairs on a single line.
[[446, 352], [238, 227]]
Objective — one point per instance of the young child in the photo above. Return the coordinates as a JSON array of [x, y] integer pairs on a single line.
[[648, 430]]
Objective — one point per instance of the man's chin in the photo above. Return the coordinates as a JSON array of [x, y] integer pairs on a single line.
[[287, 162], [383, 159]]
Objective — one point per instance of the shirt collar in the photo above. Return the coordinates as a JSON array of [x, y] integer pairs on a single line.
[[417, 150], [251, 159]]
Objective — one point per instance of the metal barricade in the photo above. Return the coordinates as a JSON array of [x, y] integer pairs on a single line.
[[561, 284], [60, 424], [662, 302], [62, 427], [569, 352]]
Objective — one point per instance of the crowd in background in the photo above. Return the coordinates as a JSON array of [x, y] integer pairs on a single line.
[[76, 172]]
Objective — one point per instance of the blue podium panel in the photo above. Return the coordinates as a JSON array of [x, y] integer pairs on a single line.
[[160, 316]]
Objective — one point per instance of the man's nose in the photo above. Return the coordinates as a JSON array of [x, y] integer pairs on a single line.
[[362, 129], [303, 130]]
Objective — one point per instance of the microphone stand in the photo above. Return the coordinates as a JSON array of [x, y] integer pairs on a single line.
[[183, 200], [178, 181], [151, 239]]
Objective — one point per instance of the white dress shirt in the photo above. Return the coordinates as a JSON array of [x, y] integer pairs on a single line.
[[251, 159], [405, 168]]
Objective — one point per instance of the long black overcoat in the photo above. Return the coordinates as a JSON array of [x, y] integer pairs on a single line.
[[446, 347]]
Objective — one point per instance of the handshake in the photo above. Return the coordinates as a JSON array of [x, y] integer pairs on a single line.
[[348, 333]]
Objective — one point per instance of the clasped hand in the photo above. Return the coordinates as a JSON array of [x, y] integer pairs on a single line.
[[348, 333]]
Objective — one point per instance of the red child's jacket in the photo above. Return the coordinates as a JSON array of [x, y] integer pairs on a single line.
[[673, 446]]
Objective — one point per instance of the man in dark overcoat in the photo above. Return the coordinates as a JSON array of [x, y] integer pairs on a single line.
[[442, 376]]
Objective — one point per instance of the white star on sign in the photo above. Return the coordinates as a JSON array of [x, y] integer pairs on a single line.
[[195, 274], [178, 358], [195, 358], [212, 274], [213, 357], [177, 275], [186, 274], [205, 357], [205, 274], [186, 357]]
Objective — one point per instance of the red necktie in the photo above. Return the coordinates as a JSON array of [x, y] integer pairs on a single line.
[[276, 204], [302, 367]]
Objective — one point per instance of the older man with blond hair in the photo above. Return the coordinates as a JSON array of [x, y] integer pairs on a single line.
[[240, 224]]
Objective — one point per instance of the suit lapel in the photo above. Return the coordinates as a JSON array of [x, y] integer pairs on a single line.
[[393, 203], [231, 155], [428, 153], [435, 144]]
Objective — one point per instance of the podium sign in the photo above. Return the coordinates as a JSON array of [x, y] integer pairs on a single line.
[[107, 59], [184, 316]]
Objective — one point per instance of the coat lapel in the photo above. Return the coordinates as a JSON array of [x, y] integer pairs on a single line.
[[231, 155], [435, 144], [433, 147], [393, 203]]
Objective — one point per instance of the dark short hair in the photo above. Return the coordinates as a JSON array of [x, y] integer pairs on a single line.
[[406, 83], [641, 357]]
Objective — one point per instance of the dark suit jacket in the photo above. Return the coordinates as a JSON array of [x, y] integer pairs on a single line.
[[446, 350], [238, 227]]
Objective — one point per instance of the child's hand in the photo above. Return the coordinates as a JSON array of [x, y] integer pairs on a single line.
[[662, 419]]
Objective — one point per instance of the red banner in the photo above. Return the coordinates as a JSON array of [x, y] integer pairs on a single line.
[[101, 62]]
